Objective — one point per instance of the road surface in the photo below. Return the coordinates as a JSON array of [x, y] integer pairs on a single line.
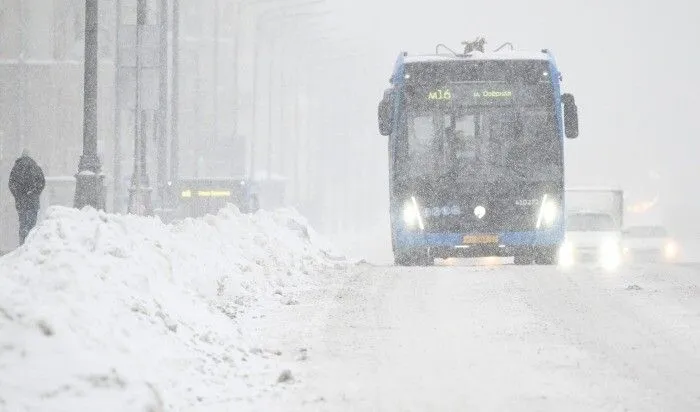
[[493, 338]]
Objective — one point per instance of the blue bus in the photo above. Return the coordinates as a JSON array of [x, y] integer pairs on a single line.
[[476, 155]]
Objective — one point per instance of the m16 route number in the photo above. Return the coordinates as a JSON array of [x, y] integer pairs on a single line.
[[440, 94]]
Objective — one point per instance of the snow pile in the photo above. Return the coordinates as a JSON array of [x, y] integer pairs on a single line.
[[114, 312]]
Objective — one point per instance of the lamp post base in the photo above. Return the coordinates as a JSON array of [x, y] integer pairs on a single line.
[[140, 202], [89, 190]]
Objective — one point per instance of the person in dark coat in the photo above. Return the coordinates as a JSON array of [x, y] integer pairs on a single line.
[[26, 184]]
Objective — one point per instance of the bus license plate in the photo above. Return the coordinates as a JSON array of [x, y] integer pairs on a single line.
[[479, 239]]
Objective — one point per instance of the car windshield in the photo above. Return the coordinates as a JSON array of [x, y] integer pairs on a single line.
[[646, 232], [485, 143], [590, 222]]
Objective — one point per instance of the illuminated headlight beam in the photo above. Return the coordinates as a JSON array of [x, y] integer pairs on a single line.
[[670, 250], [420, 218], [547, 213], [411, 214]]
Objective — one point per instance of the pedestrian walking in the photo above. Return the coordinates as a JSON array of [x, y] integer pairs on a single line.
[[26, 184]]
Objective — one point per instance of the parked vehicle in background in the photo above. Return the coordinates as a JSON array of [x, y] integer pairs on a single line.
[[594, 225], [650, 243], [198, 196], [592, 237]]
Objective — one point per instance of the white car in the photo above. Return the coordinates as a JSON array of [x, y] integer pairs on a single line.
[[649, 243], [592, 237]]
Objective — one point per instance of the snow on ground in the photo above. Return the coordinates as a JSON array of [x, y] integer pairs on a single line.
[[119, 312], [372, 244], [497, 337]]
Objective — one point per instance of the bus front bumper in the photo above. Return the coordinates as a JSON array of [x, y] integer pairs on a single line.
[[479, 244]]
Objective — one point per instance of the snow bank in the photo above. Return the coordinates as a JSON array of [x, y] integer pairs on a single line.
[[120, 312]]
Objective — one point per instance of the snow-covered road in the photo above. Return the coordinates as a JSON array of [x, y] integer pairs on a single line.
[[455, 338]]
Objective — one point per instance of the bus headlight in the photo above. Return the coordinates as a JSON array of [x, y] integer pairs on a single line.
[[548, 213], [411, 214]]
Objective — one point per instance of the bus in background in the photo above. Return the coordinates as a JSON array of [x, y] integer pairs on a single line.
[[198, 196], [476, 155]]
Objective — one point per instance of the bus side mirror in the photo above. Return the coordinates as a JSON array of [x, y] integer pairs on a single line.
[[570, 116], [385, 114]]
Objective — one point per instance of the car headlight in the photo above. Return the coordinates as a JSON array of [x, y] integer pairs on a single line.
[[670, 250], [548, 213], [411, 214]]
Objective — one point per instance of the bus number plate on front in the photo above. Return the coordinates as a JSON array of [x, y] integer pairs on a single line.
[[479, 239]]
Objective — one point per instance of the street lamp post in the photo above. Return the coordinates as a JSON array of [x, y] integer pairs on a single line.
[[140, 192], [175, 97], [117, 156], [89, 188], [270, 97], [216, 18], [253, 137], [162, 113]]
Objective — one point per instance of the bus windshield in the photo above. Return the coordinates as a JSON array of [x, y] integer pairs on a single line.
[[485, 143]]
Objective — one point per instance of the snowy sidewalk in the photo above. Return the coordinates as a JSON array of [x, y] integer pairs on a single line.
[[110, 312]]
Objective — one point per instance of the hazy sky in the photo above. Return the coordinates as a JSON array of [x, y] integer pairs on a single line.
[[632, 66]]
